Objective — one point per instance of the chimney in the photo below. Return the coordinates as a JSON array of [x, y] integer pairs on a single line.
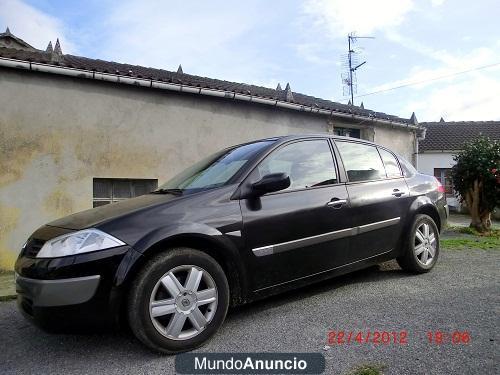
[[413, 119], [288, 93], [57, 48]]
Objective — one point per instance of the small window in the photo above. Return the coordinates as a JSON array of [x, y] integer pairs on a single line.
[[444, 176], [110, 190], [362, 162], [390, 163], [347, 132], [308, 163]]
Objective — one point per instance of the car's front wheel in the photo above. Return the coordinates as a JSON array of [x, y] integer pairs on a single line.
[[421, 248], [178, 300]]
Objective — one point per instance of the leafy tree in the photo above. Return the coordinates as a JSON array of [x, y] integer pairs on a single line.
[[476, 179]]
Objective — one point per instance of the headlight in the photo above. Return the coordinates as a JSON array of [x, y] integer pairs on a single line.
[[78, 242]]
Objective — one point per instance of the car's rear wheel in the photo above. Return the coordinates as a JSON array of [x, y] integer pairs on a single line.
[[421, 248], [178, 300]]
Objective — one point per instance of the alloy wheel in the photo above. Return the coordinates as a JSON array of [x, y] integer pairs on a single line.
[[425, 244], [183, 302]]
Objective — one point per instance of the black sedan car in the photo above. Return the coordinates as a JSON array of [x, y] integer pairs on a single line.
[[245, 223]]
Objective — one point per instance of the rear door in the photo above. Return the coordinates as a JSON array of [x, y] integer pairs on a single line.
[[298, 231], [378, 196]]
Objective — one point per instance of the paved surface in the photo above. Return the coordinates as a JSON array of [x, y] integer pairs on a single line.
[[461, 220], [462, 293]]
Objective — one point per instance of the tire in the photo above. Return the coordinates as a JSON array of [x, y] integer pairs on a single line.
[[420, 251], [156, 324]]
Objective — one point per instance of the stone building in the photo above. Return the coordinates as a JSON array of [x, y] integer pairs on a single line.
[[77, 132]]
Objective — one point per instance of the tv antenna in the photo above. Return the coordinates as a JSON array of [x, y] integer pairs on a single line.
[[350, 64]]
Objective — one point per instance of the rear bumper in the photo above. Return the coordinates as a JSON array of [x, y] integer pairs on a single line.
[[60, 292], [444, 214]]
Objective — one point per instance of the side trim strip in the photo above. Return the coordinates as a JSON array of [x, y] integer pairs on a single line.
[[377, 225], [313, 240]]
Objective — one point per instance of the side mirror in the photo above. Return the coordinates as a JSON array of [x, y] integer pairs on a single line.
[[270, 183]]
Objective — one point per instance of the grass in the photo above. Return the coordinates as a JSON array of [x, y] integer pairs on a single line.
[[7, 288], [368, 370], [9, 297], [482, 243], [472, 240], [474, 232]]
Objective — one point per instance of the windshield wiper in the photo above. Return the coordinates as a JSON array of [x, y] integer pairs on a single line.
[[168, 191]]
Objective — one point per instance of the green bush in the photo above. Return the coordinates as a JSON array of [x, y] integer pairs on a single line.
[[476, 179]]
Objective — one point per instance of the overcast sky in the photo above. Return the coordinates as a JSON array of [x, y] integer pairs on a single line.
[[302, 42]]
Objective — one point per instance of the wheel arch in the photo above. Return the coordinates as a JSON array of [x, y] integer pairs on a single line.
[[428, 209], [220, 250], [422, 205]]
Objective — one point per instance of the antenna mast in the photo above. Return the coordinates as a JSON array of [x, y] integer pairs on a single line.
[[351, 64]]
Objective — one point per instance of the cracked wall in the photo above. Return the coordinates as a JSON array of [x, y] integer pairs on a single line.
[[58, 133]]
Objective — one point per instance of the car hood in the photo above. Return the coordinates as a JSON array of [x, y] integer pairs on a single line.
[[99, 215]]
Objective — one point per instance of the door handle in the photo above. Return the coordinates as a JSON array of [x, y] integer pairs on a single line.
[[336, 203], [398, 193]]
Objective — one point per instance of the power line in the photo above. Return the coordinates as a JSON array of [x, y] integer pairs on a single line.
[[430, 79]]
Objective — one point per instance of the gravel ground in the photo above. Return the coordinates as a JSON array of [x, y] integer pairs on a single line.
[[460, 294]]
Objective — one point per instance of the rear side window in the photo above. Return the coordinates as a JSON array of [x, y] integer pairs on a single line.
[[408, 169], [390, 163], [362, 162], [308, 163]]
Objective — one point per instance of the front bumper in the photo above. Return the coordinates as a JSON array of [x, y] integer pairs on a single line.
[[76, 293], [59, 292]]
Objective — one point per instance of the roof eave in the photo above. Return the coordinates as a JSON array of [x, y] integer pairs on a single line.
[[437, 151], [118, 78]]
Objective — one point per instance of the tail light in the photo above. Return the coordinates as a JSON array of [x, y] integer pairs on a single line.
[[440, 187]]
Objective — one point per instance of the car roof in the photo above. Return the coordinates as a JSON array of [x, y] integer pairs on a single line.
[[277, 140], [284, 138]]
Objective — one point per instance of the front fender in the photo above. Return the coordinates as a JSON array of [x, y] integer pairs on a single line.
[[170, 231], [226, 247]]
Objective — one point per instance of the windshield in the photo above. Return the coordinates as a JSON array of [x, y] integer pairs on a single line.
[[215, 170]]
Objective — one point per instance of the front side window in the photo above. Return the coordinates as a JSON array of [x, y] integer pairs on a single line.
[[307, 163], [362, 162], [390, 163]]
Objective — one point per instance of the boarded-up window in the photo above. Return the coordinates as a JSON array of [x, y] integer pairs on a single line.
[[109, 190]]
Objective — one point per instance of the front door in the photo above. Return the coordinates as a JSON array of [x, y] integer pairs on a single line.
[[298, 231]]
